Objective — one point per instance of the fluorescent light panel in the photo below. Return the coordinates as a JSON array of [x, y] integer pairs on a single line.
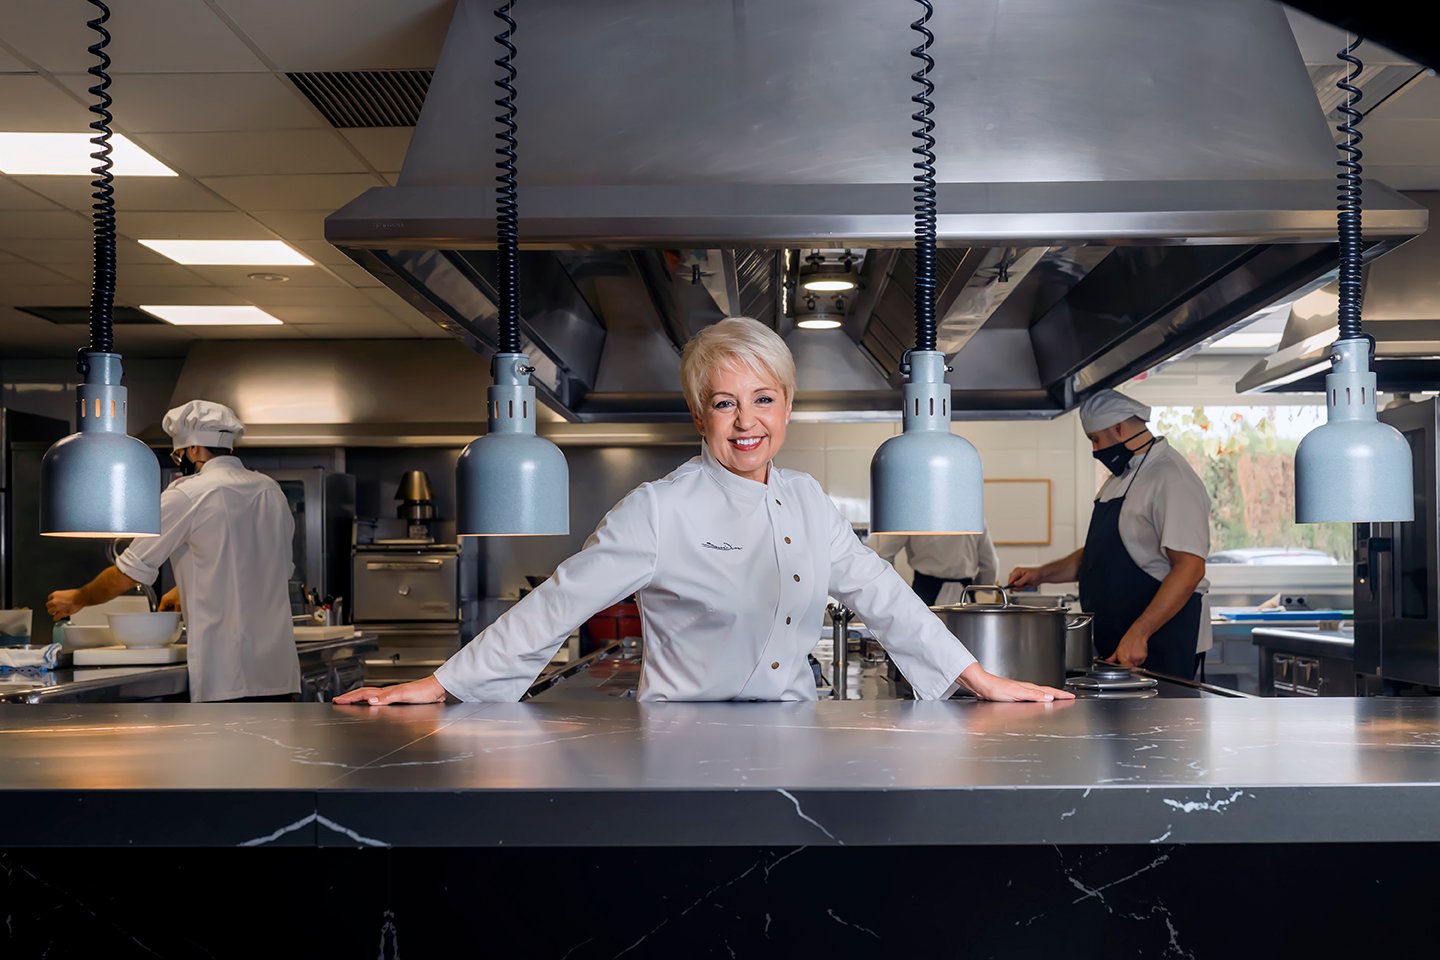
[[68, 154], [238, 253], [182, 315]]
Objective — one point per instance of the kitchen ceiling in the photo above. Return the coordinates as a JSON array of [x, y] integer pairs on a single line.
[[203, 86]]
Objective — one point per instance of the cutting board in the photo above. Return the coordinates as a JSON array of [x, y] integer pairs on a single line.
[[128, 656], [312, 634]]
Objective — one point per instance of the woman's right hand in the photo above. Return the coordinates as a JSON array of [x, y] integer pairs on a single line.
[[427, 690], [1022, 577]]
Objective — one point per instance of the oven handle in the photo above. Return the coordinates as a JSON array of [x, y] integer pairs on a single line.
[[418, 566]]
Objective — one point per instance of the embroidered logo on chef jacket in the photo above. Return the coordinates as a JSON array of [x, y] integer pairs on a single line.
[[720, 546]]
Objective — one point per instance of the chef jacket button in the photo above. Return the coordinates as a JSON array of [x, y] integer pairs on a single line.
[[787, 539], [778, 503], [787, 621], [775, 665], [797, 578]]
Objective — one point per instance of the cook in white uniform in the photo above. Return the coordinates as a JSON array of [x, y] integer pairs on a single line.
[[227, 532], [939, 560], [731, 560], [1142, 569]]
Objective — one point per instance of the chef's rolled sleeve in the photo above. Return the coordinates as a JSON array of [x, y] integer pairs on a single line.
[[142, 560], [931, 658], [618, 559]]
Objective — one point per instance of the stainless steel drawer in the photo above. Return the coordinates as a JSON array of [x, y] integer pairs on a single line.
[[405, 587]]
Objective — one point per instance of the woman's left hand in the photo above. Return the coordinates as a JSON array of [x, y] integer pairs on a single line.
[[987, 686]]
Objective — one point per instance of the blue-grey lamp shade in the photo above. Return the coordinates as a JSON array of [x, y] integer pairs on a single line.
[[1353, 469], [926, 479], [100, 481], [511, 482]]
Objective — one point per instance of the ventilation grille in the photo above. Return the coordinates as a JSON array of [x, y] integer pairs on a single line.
[[366, 98], [68, 316]]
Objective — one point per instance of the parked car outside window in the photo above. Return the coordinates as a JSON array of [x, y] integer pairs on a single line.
[[1287, 556]]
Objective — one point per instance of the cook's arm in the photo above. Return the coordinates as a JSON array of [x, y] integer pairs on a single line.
[[1186, 572], [107, 586], [1063, 570], [505, 658]]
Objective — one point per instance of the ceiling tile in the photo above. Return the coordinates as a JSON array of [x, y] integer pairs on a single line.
[[193, 226], [33, 103], [268, 332], [160, 35], [58, 295], [387, 298], [363, 331], [312, 315], [360, 35], [33, 275], [384, 147], [295, 225], [14, 196], [318, 250], [131, 193], [18, 226], [302, 192], [137, 274], [7, 257], [78, 251], [10, 64], [138, 293], [195, 102], [273, 295], [229, 154], [311, 276]]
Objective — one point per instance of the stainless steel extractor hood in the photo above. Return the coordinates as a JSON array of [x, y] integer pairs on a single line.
[[1402, 313], [1119, 181]]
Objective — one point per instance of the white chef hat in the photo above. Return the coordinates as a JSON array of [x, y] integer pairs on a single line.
[[203, 423], [1106, 408]]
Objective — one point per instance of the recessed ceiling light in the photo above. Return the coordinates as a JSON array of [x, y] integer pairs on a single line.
[[231, 253], [817, 323], [267, 277], [829, 285], [68, 154], [211, 316]]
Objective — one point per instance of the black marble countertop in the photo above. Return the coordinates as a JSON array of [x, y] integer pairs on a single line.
[[141, 681], [750, 774]]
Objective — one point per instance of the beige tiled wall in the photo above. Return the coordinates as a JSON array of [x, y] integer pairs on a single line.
[[838, 455]]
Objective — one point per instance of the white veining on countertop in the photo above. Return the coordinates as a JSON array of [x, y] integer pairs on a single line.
[[1169, 829], [305, 821], [808, 819], [1195, 806], [772, 865], [847, 923]]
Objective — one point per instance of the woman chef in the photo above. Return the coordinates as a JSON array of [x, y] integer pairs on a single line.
[[731, 559]]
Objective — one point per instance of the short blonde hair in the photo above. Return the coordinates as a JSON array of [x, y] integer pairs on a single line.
[[734, 340]]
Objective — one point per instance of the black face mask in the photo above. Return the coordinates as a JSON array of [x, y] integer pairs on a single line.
[[1117, 456], [186, 465]]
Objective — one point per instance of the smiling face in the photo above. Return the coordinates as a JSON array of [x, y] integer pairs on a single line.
[[743, 420]]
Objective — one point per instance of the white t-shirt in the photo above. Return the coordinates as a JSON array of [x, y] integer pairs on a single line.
[[949, 557], [1166, 508], [227, 531], [732, 578]]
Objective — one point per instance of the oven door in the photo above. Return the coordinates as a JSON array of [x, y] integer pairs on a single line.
[[416, 587]]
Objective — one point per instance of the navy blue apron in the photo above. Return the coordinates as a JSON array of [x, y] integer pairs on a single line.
[[927, 588], [1117, 591]]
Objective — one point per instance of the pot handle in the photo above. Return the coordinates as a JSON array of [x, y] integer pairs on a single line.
[[970, 590], [1078, 621]]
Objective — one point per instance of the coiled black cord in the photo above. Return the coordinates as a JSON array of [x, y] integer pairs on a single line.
[[102, 292], [507, 208], [1349, 201], [924, 187]]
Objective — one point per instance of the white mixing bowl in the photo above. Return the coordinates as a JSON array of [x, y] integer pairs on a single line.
[[145, 629]]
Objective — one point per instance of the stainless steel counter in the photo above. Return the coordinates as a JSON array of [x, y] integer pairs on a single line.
[[756, 774]]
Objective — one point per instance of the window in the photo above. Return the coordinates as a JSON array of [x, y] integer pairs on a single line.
[[1246, 456]]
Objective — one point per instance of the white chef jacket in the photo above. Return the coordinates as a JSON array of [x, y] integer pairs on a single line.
[[949, 557], [731, 576], [227, 531], [1167, 508]]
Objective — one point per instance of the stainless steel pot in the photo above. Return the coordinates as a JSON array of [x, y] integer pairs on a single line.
[[1079, 637], [1012, 639]]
